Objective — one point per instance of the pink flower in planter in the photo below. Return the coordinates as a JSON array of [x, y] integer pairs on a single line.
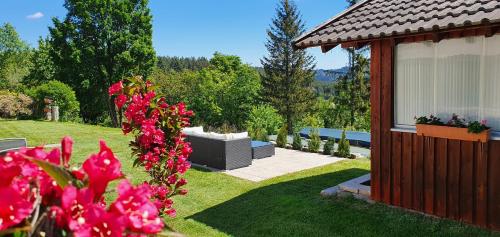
[[484, 122], [101, 169], [115, 88]]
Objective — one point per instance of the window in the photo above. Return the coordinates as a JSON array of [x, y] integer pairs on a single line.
[[459, 76]]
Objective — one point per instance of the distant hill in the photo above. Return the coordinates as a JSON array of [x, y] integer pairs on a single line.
[[323, 75], [330, 75]]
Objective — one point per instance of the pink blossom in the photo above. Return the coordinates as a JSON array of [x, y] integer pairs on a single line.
[[67, 149], [120, 100], [101, 169], [115, 88], [14, 208]]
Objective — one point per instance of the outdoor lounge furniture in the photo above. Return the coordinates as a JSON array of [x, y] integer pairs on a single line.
[[262, 149], [11, 144], [361, 139], [220, 151]]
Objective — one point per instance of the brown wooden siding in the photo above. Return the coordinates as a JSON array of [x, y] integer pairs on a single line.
[[447, 178]]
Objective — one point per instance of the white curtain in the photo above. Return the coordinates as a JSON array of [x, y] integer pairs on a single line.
[[459, 76]]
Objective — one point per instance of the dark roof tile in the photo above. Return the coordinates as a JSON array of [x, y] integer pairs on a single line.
[[376, 18]]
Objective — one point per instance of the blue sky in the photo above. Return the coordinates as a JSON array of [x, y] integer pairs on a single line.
[[193, 27]]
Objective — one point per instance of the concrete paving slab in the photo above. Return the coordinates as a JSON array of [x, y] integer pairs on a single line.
[[284, 162]]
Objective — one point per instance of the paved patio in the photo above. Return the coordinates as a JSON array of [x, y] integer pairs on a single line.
[[284, 162]]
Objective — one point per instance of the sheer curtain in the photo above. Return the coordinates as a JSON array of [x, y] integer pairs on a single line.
[[459, 76]]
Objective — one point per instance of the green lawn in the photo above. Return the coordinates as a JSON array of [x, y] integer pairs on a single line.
[[221, 205]]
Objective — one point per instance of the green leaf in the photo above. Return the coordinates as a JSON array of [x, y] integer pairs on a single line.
[[60, 175], [17, 231]]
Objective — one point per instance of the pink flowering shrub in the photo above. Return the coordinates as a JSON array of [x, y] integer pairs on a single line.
[[159, 144], [39, 193]]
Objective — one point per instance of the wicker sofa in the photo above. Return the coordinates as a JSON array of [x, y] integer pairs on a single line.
[[220, 152], [11, 144]]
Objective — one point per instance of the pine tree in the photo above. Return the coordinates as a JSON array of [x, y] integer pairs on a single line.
[[288, 73]]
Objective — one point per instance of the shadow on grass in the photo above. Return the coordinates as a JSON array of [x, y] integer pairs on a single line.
[[295, 208], [278, 209]]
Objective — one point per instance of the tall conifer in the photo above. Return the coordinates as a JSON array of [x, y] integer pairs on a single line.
[[288, 73]]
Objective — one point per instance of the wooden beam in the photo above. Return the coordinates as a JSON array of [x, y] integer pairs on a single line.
[[355, 44], [327, 47], [436, 37]]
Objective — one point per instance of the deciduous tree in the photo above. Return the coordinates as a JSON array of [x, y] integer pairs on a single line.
[[100, 42]]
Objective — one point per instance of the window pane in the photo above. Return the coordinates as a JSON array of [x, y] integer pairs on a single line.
[[414, 84], [458, 72], [491, 96]]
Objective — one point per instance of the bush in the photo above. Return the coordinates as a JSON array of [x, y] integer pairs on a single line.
[[328, 147], [264, 117], [62, 95], [309, 121], [344, 149], [281, 140], [314, 141], [297, 142], [14, 105], [259, 134]]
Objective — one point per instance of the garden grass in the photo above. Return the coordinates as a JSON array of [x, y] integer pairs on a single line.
[[222, 205]]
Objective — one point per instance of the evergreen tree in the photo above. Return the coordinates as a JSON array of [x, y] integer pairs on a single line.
[[288, 73], [99, 43]]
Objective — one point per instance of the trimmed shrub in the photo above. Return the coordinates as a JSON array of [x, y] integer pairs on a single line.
[[264, 117], [281, 140], [297, 142], [344, 148], [62, 95], [328, 147], [314, 140], [15, 105]]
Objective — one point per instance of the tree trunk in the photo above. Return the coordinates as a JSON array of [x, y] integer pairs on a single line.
[[112, 112], [289, 122]]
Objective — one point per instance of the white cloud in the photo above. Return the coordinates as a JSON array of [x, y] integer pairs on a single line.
[[34, 16]]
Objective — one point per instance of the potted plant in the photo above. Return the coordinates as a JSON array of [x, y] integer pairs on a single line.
[[456, 128]]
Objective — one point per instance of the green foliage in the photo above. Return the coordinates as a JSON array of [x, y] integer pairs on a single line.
[[352, 97], [432, 120], [175, 86], [43, 68], [264, 117], [225, 92], [314, 140], [288, 73], [297, 142], [98, 43], [310, 120], [259, 134], [179, 64], [344, 148], [329, 146], [62, 95], [60, 175], [15, 105], [14, 58], [476, 127], [282, 139]]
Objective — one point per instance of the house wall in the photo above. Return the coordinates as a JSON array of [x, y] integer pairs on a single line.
[[447, 178]]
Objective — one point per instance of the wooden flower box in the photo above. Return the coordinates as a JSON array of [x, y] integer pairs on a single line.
[[452, 133]]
